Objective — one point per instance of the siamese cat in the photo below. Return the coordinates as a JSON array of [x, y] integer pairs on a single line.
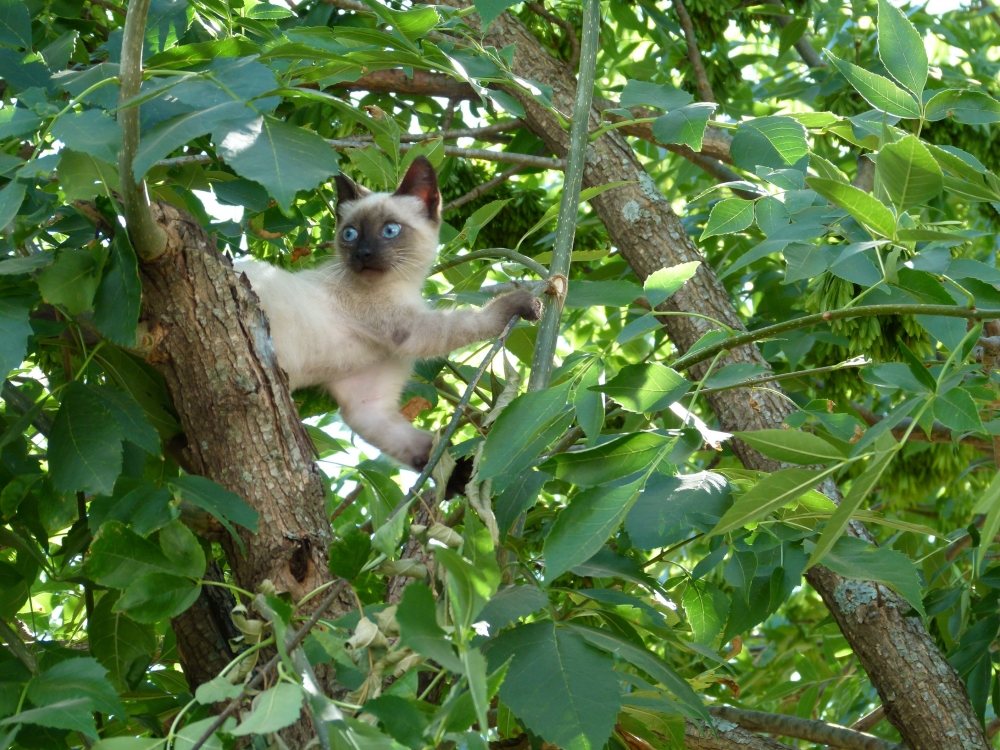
[[357, 325]]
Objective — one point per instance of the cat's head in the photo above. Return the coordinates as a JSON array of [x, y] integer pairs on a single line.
[[390, 236]]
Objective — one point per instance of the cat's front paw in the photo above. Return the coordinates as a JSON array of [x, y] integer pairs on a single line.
[[523, 304], [418, 452]]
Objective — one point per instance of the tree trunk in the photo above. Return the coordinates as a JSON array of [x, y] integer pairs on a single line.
[[923, 696], [204, 630], [242, 430]]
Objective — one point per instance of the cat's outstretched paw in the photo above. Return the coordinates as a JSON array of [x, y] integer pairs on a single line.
[[418, 453], [522, 303]]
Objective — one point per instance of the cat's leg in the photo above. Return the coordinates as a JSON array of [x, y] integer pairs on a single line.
[[369, 405], [437, 333]]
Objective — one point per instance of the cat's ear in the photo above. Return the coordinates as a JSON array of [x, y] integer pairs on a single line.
[[348, 190], [421, 182]]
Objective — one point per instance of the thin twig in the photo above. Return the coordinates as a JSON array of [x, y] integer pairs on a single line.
[[493, 252], [787, 376], [449, 113], [451, 134], [805, 729], [694, 55], [483, 188], [574, 43], [16, 645], [346, 502], [258, 679], [939, 433], [869, 720]]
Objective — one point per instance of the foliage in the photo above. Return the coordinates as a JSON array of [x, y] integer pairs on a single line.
[[638, 572]]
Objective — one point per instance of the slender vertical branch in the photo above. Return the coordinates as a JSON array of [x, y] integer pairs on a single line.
[[148, 239], [548, 329], [694, 55]]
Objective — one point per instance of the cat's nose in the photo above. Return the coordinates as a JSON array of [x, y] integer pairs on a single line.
[[362, 251]]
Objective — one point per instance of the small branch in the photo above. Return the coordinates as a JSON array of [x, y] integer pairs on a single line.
[[449, 114], [722, 736], [22, 405], [258, 680], [482, 189], [566, 26], [694, 55], [446, 134], [148, 239], [939, 433], [14, 642], [505, 157], [803, 729], [864, 179], [864, 311], [802, 45], [868, 721], [493, 252], [786, 376], [421, 83], [347, 502]]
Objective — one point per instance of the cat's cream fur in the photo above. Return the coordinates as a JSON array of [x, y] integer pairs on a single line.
[[357, 325]]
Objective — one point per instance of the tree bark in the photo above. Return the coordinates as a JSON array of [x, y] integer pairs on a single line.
[[923, 696], [204, 631], [212, 344]]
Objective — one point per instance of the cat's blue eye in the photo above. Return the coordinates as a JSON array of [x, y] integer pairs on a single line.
[[349, 234], [391, 230]]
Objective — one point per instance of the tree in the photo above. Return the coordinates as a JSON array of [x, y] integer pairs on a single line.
[[773, 361]]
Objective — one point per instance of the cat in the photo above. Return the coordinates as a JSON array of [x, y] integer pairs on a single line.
[[357, 325]]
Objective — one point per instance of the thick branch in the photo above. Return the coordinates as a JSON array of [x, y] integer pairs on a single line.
[[421, 83], [148, 239], [870, 720], [566, 26], [694, 54], [726, 735], [804, 729]]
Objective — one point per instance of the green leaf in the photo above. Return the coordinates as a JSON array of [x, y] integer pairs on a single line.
[[880, 92], [519, 495], [167, 136], [402, 720], [490, 10], [957, 411], [792, 446], [216, 690], [775, 142], [283, 158], [661, 96], [685, 126], [967, 107], [11, 198], [859, 204], [85, 445], [14, 331], [901, 48], [988, 504], [856, 559], [791, 33], [728, 216], [226, 506], [412, 24], [274, 709], [130, 417], [607, 564], [419, 629], [389, 535], [885, 451], [669, 508], [648, 662], [769, 494], [564, 690], [118, 556], [350, 553], [157, 596], [517, 427], [15, 121], [73, 279], [76, 678], [580, 531], [475, 672], [664, 283], [15, 24], [646, 388], [82, 177], [909, 173], [589, 404], [121, 645], [706, 608], [469, 585], [116, 306], [617, 293], [510, 604], [604, 463], [92, 132], [75, 714], [375, 166], [585, 195]]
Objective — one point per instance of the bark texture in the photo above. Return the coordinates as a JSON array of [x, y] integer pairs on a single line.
[[212, 344], [725, 735], [923, 696], [204, 631]]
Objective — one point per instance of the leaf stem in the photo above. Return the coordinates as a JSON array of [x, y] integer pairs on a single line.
[[492, 252]]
